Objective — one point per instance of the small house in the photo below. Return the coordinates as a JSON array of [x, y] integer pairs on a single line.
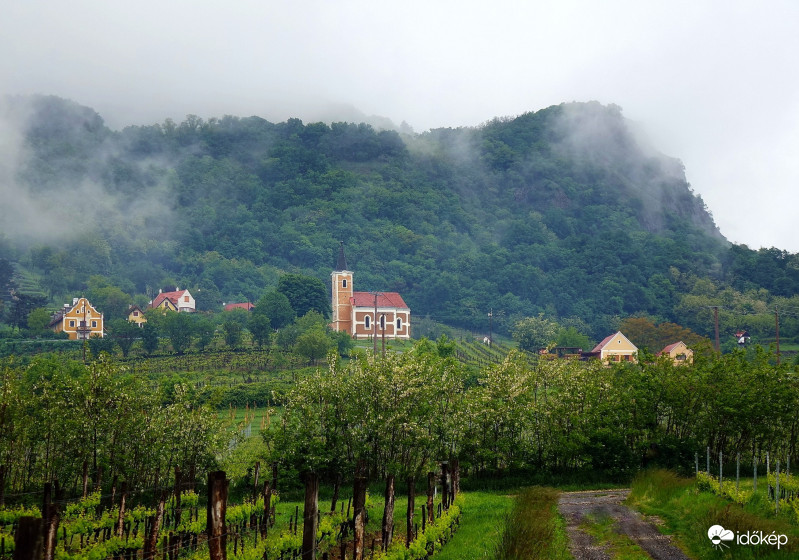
[[80, 320]]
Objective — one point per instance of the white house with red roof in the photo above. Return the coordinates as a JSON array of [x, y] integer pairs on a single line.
[[615, 348], [366, 314], [179, 300]]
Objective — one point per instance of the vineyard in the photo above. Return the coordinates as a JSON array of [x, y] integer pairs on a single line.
[[143, 462]]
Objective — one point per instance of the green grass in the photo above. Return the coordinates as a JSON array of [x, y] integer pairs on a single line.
[[534, 530], [618, 546], [480, 527], [688, 513]]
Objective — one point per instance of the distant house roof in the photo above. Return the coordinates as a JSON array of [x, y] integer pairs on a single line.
[[384, 299], [601, 345], [248, 306], [669, 348], [174, 297]]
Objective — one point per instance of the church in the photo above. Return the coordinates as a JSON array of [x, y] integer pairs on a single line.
[[366, 314]]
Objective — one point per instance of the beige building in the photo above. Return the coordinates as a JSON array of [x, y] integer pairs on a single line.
[[615, 348], [80, 320], [136, 315], [678, 352], [366, 314]]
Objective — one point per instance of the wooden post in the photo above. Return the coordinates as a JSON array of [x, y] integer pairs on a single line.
[[359, 510], [409, 514], [28, 539], [310, 516], [431, 486], [388, 513], [255, 480], [178, 487], [456, 477], [216, 528], [267, 508]]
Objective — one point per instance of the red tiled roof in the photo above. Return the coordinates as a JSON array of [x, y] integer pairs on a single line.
[[248, 306], [598, 347], [174, 297], [669, 348], [384, 299]]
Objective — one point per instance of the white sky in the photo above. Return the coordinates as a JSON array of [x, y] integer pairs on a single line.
[[713, 83]]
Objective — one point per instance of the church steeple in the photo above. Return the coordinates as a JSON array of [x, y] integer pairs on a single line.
[[342, 260]]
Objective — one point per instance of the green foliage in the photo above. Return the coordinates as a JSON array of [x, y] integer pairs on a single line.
[[232, 331], [277, 308], [149, 336], [260, 328], [124, 334], [533, 333], [179, 328], [38, 319], [305, 293]]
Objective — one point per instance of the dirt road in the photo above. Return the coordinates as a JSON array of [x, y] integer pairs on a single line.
[[574, 506]]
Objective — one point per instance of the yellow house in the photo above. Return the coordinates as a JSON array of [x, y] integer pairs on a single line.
[[79, 320], [615, 348], [179, 300], [136, 315], [678, 352]]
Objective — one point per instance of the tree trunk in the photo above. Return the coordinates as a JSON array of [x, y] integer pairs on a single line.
[[151, 540], [388, 512], [28, 539], [359, 510], [409, 513], [431, 485], [310, 516], [216, 528]]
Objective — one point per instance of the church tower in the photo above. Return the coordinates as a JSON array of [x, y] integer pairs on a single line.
[[342, 294]]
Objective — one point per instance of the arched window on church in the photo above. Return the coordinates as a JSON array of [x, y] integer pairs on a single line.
[[344, 283], [382, 322], [367, 322], [399, 323]]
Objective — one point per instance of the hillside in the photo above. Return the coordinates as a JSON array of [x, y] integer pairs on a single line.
[[562, 211]]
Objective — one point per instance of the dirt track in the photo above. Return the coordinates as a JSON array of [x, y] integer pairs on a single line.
[[575, 505]]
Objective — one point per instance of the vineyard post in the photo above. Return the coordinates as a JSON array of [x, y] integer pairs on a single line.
[[409, 513], [50, 519], [178, 485], [696, 460], [255, 480], [359, 510], [310, 517], [216, 527], [431, 484], [267, 507], [27, 539]]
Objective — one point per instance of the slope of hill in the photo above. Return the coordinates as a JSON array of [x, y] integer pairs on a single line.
[[562, 211]]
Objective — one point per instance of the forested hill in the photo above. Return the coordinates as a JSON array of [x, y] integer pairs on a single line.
[[560, 211]]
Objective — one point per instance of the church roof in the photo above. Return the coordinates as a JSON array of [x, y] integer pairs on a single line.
[[341, 264], [384, 299]]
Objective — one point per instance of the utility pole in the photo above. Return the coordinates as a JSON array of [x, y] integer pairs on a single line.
[[777, 327], [490, 326], [716, 321]]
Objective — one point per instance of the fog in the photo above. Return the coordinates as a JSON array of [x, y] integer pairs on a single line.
[[711, 83]]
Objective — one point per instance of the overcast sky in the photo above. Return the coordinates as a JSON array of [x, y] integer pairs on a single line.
[[714, 83]]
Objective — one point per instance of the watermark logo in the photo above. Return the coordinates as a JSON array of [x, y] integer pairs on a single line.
[[719, 537]]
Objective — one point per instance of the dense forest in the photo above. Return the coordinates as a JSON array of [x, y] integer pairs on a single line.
[[562, 213]]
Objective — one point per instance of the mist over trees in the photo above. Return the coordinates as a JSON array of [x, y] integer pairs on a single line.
[[560, 213]]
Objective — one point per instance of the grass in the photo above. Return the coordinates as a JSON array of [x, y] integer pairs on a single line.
[[533, 529], [618, 546], [480, 527], [688, 514]]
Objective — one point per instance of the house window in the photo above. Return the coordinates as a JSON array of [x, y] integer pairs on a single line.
[[382, 322], [344, 283], [94, 324], [186, 298], [135, 313], [399, 323], [72, 323], [367, 321]]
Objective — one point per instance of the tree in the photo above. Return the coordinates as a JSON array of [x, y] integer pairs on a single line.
[[149, 337], [305, 293], [534, 333], [314, 344], [38, 319], [260, 328], [276, 306], [179, 328], [124, 333], [205, 330], [232, 330], [570, 337], [23, 304], [109, 300]]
